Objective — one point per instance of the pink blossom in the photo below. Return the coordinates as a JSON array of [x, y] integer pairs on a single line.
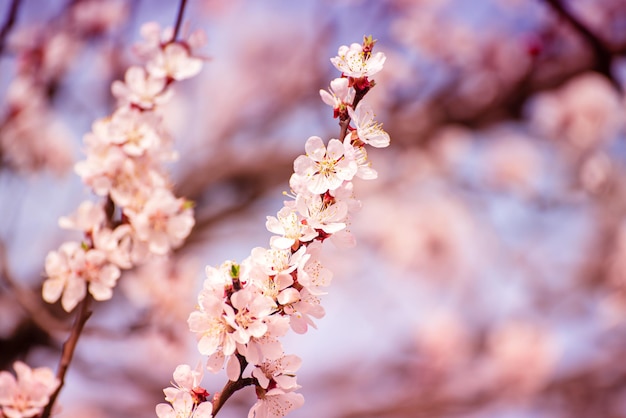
[[184, 406], [134, 131], [339, 95], [319, 214], [358, 154], [163, 222], [61, 278], [302, 310], [215, 363], [276, 403], [248, 313], [367, 129], [281, 371], [273, 278], [268, 346], [218, 279], [141, 89], [33, 138], [71, 268], [88, 218], [276, 262], [312, 274], [210, 326], [169, 302], [153, 38], [98, 16], [168, 58], [290, 227], [185, 380], [324, 168], [121, 246], [156, 39], [174, 62], [25, 395], [134, 182], [353, 62], [110, 171], [586, 111], [516, 343]]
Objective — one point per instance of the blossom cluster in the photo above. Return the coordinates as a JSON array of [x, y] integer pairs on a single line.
[[33, 136], [27, 393], [244, 308], [138, 214]]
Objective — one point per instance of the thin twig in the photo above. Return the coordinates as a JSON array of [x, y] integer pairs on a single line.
[[344, 123], [9, 23], [231, 387], [69, 346], [179, 19]]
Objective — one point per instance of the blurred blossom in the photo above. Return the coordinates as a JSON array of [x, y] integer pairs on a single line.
[[26, 394], [445, 341], [480, 90], [612, 309], [513, 163], [164, 289], [94, 16], [522, 356], [510, 62], [595, 172], [32, 138], [44, 55], [83, 409], [451, 144], [586, 111], [424, 24], [430, 234]]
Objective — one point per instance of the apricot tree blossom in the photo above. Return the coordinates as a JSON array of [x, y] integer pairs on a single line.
[[24, 395], [124, 156], [240, 304], [138, 217]]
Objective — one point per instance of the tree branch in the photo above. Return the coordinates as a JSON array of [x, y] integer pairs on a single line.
[[345, 123], [179, 19], [604, 56], [68, 351], [9, 23], [231, 387]]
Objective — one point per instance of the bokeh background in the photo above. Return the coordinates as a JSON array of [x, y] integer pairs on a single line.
[[489, 276]]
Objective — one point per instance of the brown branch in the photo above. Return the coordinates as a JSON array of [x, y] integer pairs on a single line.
[[231, 387], [604, 56], [9, 23], [69, 346], [344, 123], [179, 19]]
